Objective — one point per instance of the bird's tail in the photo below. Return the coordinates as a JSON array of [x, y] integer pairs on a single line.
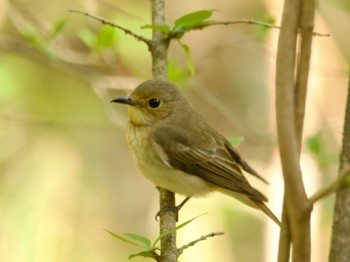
[[260, 205], [250, 201]]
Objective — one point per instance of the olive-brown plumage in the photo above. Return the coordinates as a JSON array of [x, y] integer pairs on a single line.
[[176, 149]]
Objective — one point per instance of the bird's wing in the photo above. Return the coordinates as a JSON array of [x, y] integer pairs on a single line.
[[233, 152], [210, 161]]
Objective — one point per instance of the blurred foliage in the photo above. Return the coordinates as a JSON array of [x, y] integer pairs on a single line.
[[262, 32], [319, 149], [65, 173], [343, 4], [106, 38]]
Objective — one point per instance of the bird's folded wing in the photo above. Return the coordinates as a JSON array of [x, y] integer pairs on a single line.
[[233, 152], [212, 163]]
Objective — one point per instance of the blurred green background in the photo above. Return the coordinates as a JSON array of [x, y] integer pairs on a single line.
[[65, 171]]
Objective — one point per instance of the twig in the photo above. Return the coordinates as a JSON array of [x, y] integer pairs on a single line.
[[246, 21], [343, 175], [202, 238], [112, 24]]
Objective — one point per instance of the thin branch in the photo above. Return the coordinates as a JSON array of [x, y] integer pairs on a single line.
[[297, 206], [202, 238], [344, 174], [141, 38], [284, 247], [306, 25], [245, 21]]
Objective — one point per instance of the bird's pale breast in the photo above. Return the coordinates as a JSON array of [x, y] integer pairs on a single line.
[[150, 160]]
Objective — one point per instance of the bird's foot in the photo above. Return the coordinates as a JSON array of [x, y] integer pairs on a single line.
[[174, 209]]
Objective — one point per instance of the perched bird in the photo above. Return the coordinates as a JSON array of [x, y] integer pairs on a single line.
[[176, 149]]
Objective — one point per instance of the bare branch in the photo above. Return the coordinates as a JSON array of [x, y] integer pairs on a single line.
[[112, 24], [296, 204], [344, 174], [192, 243], [246, 21]]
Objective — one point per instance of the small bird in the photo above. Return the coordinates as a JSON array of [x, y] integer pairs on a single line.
[[176, 149]]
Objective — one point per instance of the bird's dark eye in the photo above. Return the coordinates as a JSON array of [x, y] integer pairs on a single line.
[[154, 103]]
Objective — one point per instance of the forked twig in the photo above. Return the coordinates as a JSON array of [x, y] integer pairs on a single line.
[[202, 238], [112, 24], [343, 175]]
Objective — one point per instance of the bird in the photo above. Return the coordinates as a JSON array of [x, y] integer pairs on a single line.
[[176, 149]]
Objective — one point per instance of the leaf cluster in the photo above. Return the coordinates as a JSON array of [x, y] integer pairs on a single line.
[[145, 244], [41, 41], [191, 21], [188, 22]]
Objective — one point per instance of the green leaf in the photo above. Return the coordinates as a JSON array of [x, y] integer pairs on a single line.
[[262, 31], [163, 28], [191, 19], [190, 64], [314, 144], [188, 22], [175, 229], [57, 28], [177, 73], [31, 34], [236, 141], [122, 238], [106, 38], [139, 238], [144, 254], [317, 145], [87, 37]]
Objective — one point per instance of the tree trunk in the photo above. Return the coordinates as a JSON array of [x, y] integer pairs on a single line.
[[340, 243]]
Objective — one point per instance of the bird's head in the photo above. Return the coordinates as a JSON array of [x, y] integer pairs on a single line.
[[152, 102]]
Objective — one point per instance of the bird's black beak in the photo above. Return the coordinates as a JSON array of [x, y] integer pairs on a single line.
[[124, 100]]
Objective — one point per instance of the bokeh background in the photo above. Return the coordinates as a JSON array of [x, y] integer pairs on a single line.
[[65, 171]]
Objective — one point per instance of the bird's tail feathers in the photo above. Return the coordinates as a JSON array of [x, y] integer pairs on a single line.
[[260, 205]]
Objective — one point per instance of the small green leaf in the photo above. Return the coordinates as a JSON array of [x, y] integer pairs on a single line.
[[314, 143], [193, 18], [139, 238], [175, 229], [177, 73], [87, 37], [190, 64], [122, 238], [31, 34], [188, 22], [144, 254], [262, 31], [236, 141], [163, 28], [57, 28], [106, 38]]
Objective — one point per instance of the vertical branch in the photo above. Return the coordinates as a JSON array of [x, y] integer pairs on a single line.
[[306, 28], [158, 49], [340, 244], [285, 238], [290, 108], [285, 79], [160, 43]]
